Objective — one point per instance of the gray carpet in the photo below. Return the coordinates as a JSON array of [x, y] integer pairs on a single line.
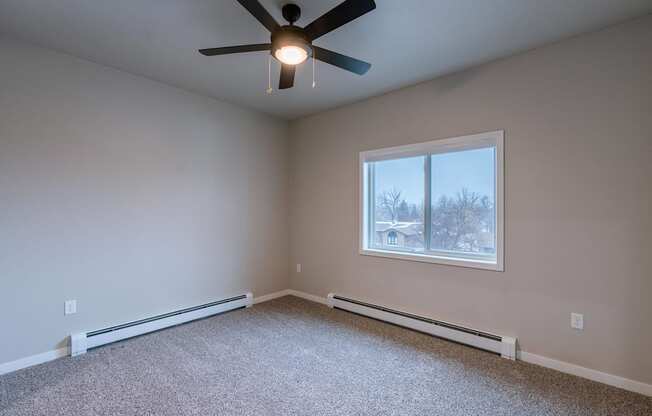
[[294, 357]]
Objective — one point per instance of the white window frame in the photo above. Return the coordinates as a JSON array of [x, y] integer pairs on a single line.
[[493, 139]]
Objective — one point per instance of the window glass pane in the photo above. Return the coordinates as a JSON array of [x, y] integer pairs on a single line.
[[463, 202], [398, 194]]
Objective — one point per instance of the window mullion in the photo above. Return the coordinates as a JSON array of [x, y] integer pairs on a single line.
[[427, 204], [371, 205]]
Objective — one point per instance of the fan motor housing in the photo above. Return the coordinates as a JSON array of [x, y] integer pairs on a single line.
[[290, 36], [291, 12]]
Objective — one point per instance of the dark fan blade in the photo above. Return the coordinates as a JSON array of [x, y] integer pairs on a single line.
[[287, 76], [236, 49], [259, 12], [341, 61], [340, 15]]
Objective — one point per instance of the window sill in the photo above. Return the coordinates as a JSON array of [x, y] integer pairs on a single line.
[[424, 258]]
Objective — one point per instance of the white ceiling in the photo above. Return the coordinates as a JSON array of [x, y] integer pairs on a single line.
[[407, 41]]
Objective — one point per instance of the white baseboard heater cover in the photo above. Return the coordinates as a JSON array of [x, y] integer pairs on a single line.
[[83, 341], [505, 346]]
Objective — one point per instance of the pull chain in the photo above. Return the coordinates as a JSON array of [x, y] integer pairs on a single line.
[[314, 83], [269, 75]]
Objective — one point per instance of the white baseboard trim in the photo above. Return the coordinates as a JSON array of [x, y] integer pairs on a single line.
[[590, 374], [33, 360], [270, 296], [308, 296], [290, 292]]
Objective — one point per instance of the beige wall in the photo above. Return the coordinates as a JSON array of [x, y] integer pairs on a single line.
[[577, 117], [130, 196]]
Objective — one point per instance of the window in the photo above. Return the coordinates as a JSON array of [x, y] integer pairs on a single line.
[[438, 202]]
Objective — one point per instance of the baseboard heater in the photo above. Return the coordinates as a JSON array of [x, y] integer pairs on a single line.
[[505, 346], [83, 341]]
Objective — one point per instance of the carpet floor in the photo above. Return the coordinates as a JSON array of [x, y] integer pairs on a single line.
[[294, 357]]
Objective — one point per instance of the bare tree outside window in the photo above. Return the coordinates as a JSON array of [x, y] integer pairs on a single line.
[[390, 202], [462, 208], [463, 223]]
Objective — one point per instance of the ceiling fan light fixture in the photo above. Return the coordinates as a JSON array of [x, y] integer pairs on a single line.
[[291, 54], [290, 46]]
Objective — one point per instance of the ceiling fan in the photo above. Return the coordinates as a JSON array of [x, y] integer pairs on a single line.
[[292, 45]]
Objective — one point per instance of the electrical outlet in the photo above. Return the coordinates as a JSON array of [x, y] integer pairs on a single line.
[[70, 307], [577, 321], [298, 267]]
